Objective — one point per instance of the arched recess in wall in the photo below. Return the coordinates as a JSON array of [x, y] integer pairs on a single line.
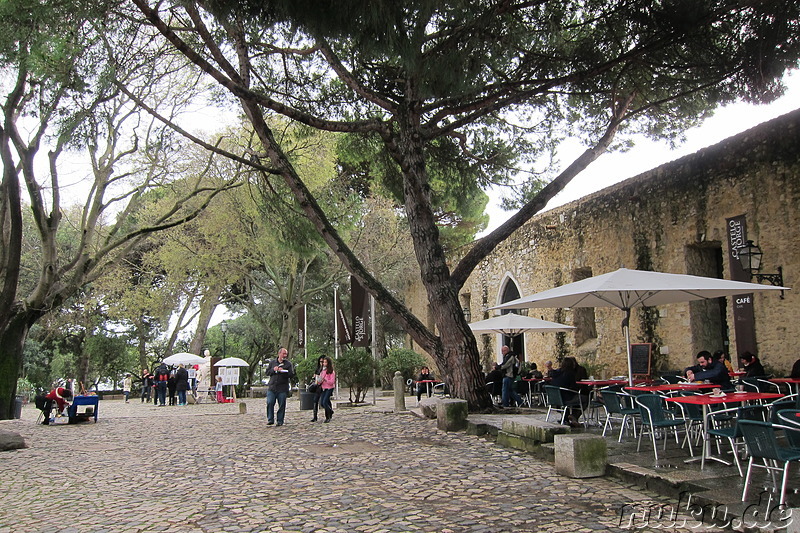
[[509, 290]]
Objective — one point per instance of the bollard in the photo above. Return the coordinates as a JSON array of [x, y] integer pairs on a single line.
[[242, 408], [399, 393]]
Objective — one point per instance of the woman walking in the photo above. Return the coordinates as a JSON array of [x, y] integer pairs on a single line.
[[317, 388], [327, 384]]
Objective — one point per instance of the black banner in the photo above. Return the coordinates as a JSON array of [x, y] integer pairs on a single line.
[[344, 328], [301, 327], [360, 313], [743, 314]]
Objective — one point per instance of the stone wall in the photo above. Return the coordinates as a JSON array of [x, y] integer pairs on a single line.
[[669, 219]]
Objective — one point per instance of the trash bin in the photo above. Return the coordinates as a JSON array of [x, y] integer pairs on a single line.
[[18, 407], [306, 401]]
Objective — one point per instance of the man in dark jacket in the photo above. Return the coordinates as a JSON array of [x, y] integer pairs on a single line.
[[281, 373], [708, 369]]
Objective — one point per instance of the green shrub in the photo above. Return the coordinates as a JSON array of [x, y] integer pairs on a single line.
[[304, 368], [354, 369], [407, 362]]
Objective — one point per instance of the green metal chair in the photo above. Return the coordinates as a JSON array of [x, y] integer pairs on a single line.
[[617, 407], [763, 444], [656, 416]]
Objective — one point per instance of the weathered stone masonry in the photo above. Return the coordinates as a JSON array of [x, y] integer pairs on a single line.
[[669, 219]]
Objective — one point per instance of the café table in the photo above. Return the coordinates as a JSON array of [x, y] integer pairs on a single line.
[[671, 387], [530, 382], [705, 400], [596, 384], [429, 383], [792, 382]]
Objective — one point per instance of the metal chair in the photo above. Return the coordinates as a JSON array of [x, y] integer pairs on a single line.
[[655, 416], [442, 390], [495, 389], [763, 444], [556, 402], [791, 419], [672, 380], [732, 431], [615, 409]]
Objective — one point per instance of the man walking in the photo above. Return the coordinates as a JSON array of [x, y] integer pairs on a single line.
[[281, 372], [510, 369]]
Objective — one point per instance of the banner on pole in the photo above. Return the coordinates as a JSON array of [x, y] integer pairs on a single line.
[[744, 322], [360, 313], [301, 327], [344, 329]]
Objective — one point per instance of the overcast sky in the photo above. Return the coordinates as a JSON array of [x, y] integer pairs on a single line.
[[612, 168]]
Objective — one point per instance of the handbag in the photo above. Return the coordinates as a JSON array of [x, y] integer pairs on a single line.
[[314, 387]]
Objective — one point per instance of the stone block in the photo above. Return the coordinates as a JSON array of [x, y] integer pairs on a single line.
[[10, 440], [451, 414], [517, 442], [242, 408], [428, 407], [533, 428], [581, 455]]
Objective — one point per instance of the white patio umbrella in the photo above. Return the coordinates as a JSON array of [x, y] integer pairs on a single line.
[[231, 361], [184, 358], [626, 289], [512, 324]]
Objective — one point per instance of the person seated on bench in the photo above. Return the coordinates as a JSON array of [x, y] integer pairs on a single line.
[[60, 396]]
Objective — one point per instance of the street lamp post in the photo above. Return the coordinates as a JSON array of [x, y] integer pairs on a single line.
[[224, 328]]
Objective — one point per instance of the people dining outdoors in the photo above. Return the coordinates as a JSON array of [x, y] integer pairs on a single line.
[[751, 365], [425, 382], [708, 369], [721, 356], [566, 378]]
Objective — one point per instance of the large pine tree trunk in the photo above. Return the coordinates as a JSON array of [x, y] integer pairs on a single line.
[[456, 352], [12, 339]]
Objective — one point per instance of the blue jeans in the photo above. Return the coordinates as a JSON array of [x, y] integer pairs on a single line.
[[509, 393], [272, 397], [181, 397], [325, 402], [161, 393]]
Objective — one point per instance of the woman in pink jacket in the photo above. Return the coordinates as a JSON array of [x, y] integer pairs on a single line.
[[327, 384]]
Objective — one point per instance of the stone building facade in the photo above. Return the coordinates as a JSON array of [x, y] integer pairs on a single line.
[[674, 218]]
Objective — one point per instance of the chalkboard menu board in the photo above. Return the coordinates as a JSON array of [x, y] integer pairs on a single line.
[[640, 358]]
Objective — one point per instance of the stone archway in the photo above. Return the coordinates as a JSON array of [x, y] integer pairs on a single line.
[[509, 292]]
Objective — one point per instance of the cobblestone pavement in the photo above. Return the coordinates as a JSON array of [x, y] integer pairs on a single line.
[[207, 468]]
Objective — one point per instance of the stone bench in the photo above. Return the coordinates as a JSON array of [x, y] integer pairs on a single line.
[[528, 433], [581, 455], [451, 414]]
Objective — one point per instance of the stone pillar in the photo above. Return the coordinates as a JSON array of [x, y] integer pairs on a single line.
[[399, 393], [242, 408], [580, 455], [451, 414]]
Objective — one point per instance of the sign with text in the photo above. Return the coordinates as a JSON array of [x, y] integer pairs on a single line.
[[230, 375], [743, 314], [360, 313]]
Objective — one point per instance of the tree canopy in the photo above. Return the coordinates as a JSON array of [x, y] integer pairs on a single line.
[[495, 82]]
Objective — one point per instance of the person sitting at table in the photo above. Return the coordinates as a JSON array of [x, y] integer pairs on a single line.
[[708, 369], [424, 375], [566, 378], [722, 357], [548, 369], [533, 372], [795, 370], [60, 396], [751, 365]]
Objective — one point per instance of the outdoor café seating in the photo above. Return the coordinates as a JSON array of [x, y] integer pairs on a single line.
[[732, 431], [762, 443], [655, 416], [557, 402], [619, 406]]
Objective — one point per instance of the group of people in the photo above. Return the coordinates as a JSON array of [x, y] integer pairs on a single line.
[[716, 368], [165, 383], [281, 373]]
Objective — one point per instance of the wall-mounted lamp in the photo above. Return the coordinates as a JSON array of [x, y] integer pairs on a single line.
[[750, 258], [467, 313]]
